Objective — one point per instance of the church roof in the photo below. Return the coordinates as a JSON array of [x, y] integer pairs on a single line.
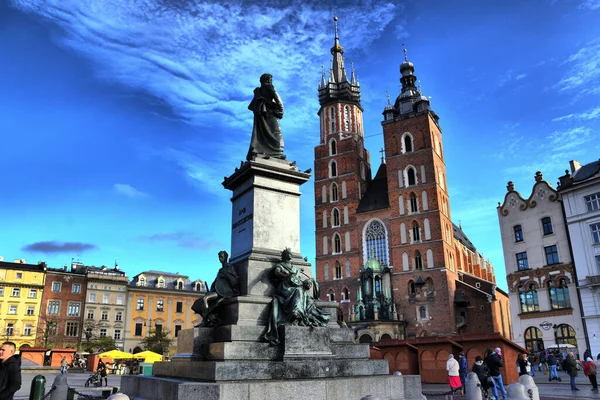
[[586, 171], [462, 237], [376, 195]]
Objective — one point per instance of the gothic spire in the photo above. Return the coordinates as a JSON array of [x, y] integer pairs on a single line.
[[337, 51]]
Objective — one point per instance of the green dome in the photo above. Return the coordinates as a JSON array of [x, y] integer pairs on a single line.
[[373, 264]]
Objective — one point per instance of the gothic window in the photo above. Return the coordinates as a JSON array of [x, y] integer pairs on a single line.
[[411, 176], [429, 285], [345, 294], [559, 296], [376, 242], [518, 233], [331, 295], [336, 217], [347, 118], [528, 298], [334, 192], [338, 270], [362, 170], [534, 341], [408, 145], [348, 270], [332, 147], [333, 172], [324, 194], [416, 234], [424, 200], [411, 288], [344, 190], [337, 244], [418, 260], [547, 226], [326, 271], [413, 203], [332, 119]]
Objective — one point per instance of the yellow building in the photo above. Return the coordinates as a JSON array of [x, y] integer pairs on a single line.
[[160, 301], [21, 289]]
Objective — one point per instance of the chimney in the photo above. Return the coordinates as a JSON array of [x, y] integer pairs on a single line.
[[574, 165]]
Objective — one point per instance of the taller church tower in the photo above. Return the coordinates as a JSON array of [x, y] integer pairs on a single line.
[[342, 173]]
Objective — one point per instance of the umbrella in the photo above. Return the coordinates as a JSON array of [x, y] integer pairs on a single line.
[[115, 354], [561, 346], [148, 356]]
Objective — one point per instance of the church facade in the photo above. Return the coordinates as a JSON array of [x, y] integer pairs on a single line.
[[387, 249]]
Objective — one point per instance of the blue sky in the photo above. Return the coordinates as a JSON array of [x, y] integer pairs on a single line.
[[120, 118]]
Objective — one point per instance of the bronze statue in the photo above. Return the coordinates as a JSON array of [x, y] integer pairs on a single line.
[[293, 302], [267, 138], [225, 286]]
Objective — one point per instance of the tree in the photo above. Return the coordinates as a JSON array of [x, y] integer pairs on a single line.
[[92, 341], [158, 341], [48, 335]]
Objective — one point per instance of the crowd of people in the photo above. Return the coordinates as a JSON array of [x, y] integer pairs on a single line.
[[488, 369]]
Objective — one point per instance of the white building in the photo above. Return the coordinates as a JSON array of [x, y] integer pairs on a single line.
[[540, 273], [580, 193]]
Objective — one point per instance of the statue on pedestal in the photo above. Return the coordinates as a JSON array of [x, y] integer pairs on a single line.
[[267, 138], [294, 299], [225, 286]]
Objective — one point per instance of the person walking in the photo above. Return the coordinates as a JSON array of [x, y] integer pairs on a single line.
[[10, 371], [463, 370], [494, 363], [543, 366], [483, 373], [570, 367], [523, 365], [453, 375], [102, 370], [552, 363], [532, 361], [589, 369], [64, 364]]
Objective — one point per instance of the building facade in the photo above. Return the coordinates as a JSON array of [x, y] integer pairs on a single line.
[[579, 190], [62, 307], [21, 291], [160, 301], [105, 305], [540, 271], [431, 278]]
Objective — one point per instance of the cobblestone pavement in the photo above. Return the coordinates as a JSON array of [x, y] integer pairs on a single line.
[[76, 380]]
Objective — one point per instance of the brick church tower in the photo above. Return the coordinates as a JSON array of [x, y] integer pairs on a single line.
[[342, 172], [386, 248]]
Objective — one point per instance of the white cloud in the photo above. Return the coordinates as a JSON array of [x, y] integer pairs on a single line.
[[589, 5], [588, 115], [520, 76], [583, 74], [129, 191]]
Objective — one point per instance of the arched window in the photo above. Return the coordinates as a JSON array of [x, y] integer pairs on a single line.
[[534, 341], [334, 192], [160, 283], [180, 285], [411, 176], [413, 203], [338, 270], [377, 285], [376, 242], [411, 288], [198, 287], [347, 118], [142, 281], [418, 260], [332, 119], [422, 312], [416, 232], [337, 244], [362, 170], [348, 269], [326, 271], [331, 295], [565, 334], [336, 217], [528, 298], [345, 294], [333, 169], [332, 147], [429, 285], [385, 337], [559, 296], [408, 145]]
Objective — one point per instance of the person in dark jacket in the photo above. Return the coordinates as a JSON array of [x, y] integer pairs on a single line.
[[483, 373], [463, 369], [10, 371], [494, 363], [522, 363], [552, 363], [571, 369]]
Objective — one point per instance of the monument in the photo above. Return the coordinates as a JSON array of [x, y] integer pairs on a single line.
[[265, 334]]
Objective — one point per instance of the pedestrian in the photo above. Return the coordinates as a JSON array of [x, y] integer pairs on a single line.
[[532, 361], [483, 373], [453, 376], [552, 362], [589, 369], [463, 370], [10, 371], [102, 370], [587, 354], [570, 367], [64, 364], [523, 365], [543, 361], [494, 363]]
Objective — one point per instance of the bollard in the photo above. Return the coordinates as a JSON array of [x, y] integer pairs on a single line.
[[516, 391], [370, 397], [38, 388], [397, 373], [119, 396], [61, 388], [530, 385], [473, 387]]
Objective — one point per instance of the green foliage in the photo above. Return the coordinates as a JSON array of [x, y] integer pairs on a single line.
[[158, 342]]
